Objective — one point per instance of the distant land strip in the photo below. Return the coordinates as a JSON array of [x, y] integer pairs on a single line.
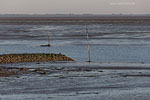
[[33, 57], [76, 20]]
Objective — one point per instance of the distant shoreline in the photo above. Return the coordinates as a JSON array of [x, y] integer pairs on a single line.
[[75, 20], [74, 16]]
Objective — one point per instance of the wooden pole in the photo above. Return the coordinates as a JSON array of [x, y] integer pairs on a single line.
[[88, 46], [48, 39], [47, 45]]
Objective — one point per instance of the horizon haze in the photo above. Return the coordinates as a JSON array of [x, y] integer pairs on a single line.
[[74, 7]]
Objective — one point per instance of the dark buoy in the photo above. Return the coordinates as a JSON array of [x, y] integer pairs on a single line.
[[48, 45]]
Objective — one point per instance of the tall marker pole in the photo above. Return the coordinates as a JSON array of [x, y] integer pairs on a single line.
[[49, 39], [88, 45]]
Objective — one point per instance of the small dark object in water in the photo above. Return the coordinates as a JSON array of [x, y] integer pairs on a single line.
[[100, 71], [89, 61], [48, 45]]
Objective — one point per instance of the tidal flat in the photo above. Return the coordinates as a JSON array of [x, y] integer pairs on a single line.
[[120, 55], [77, 83]]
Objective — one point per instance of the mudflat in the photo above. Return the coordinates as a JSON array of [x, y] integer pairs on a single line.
[[119, 52], [77, 83]]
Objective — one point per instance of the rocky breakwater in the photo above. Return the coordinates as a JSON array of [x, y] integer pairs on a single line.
[[34, 57]]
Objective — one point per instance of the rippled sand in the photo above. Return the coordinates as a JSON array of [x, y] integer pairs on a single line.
[[76, 83]]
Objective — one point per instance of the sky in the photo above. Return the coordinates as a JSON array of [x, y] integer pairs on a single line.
[[74, 7]]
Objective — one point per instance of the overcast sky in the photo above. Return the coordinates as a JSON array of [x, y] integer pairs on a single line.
[[74, 6]]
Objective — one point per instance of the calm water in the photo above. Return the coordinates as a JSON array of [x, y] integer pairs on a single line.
[[115, 43]]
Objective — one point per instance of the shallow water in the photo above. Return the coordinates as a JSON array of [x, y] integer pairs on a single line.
[[110, 43]]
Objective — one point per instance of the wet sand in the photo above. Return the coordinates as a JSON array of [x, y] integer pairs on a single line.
[[75, 83], [24, 32]]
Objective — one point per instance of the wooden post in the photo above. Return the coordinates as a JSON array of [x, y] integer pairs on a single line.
[[49, 40], [88, 46], [47, 45]]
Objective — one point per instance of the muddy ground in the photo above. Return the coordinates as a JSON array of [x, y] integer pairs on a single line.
[[75, 83]]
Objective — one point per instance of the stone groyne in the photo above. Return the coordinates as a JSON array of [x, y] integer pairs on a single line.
[[33, 57]]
